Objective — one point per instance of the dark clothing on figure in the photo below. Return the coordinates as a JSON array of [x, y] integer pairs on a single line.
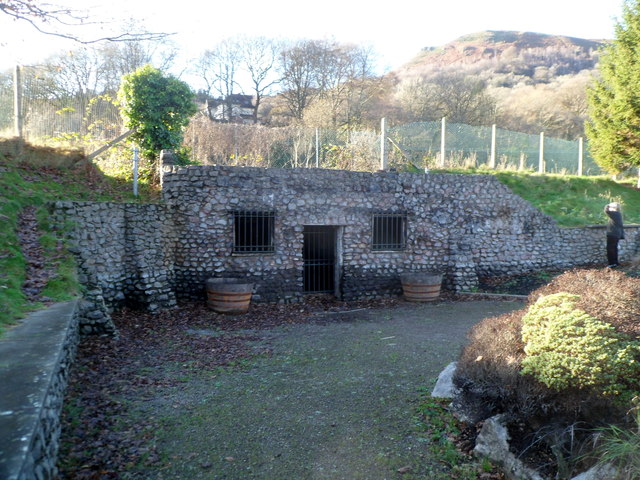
[[614, 227], [612, 250], [615, 232]]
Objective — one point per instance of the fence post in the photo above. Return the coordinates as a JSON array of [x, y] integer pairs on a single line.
[[135, 171], [17, 101], [492, 160], [317, 148], [541, 166], [443, 142], [580, 156], [383, 153]]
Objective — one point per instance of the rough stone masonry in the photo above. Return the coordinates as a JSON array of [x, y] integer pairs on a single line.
[[463, 226]]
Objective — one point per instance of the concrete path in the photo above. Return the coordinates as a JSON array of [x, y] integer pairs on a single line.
[[335, 400]]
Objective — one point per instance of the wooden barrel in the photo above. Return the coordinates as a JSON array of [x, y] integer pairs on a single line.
[[421, 287], [229, 295]]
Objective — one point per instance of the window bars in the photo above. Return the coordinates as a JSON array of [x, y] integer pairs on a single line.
[[253, 231], [389, 231]]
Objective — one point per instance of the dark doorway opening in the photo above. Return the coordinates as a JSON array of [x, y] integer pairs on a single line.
[[319, 253]]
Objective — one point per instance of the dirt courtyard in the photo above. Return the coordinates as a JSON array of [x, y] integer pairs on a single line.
[[307, 391]]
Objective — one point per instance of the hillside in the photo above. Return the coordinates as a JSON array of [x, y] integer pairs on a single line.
[[534, 82], [35, 267], [507, 52]]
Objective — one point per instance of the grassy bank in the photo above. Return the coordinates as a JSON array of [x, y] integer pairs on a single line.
[[32, 177], [574, 201], [570, 200]]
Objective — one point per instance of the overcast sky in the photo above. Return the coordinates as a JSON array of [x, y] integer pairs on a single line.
[[398, 30]]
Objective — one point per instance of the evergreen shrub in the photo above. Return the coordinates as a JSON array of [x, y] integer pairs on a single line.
[[566, 348], [571, 355]]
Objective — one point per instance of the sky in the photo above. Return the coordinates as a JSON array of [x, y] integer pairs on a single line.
[[396, 30]]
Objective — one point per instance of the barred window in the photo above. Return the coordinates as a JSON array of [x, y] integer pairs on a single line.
[[253, 231], [389, 231]]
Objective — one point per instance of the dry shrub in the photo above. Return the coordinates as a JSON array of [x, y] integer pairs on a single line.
[[489, 378], [214, 143], [20, 152], [495, 341], [606, 294], [489, 369]]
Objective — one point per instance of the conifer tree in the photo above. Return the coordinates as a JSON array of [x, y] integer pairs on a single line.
[[613, 129]]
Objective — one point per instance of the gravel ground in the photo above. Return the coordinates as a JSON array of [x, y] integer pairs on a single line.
[[331, 395]]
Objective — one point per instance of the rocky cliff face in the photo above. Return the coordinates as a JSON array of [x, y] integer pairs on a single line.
[[507, 51]]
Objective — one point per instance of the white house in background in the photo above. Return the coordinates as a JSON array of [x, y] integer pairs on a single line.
[[235, 108]]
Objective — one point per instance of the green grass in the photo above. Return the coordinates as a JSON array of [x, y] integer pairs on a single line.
[[439, 428], [570, 200], [574, 201], [621, 447], [35, 178]]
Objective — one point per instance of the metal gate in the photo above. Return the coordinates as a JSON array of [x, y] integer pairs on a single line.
[[319, 253]]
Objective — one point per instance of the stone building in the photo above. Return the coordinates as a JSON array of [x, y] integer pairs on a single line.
[[297, 231]]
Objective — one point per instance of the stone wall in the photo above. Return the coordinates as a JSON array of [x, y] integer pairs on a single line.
[[38, 355], [461, 225], [125, 255]]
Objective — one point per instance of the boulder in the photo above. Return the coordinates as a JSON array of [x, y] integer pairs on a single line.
[[493, 443], [444, 385], [598, 472]]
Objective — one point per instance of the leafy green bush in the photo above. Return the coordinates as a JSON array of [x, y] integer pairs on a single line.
[[566, 348], [489, 368], [158, 108]]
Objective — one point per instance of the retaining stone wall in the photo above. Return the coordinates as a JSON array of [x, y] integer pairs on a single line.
[[125, 255], [39, 354]]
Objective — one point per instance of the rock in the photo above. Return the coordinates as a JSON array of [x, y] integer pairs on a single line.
[[493, 443], [598, 472], [444, 386]]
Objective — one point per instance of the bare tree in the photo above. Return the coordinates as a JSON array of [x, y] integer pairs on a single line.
[[218, 68], [120, 58], [460, 98], [300, 66], [326, 83], [352, 86], [57, 20], [259, 57]]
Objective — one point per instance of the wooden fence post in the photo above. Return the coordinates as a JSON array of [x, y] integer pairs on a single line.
[[17, 101], [443, 145], [383, 153], [541, 165], [580, 156], [317, 148], [492, 159]]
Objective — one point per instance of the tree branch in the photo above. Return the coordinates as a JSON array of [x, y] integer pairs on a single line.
[[36, 15]]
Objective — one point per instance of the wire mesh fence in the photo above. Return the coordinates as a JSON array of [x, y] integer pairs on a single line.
[[51, 112], [467, 145]]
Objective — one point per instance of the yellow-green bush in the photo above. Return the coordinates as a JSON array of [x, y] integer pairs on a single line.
[[567, 348], [577, 341], [575, 378]]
